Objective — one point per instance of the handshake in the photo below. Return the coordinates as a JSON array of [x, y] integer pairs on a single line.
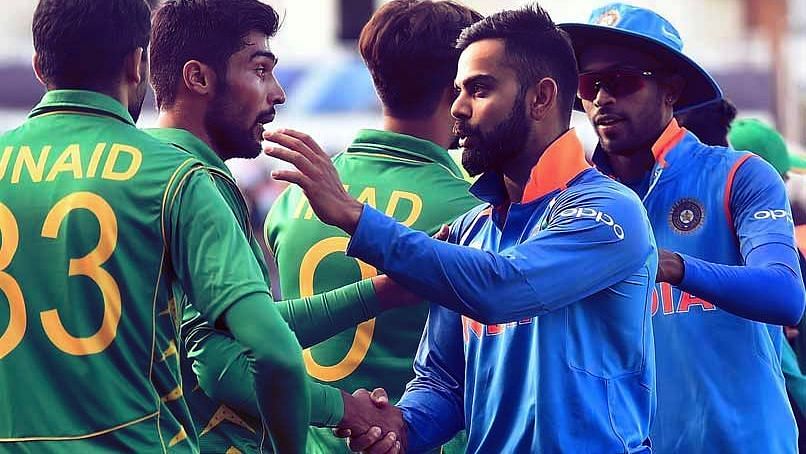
[[371, 424]]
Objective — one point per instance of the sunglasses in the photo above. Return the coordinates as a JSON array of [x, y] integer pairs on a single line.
[[617, 82]]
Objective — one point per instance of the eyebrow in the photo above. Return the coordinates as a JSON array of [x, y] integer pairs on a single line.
[[476, 79], [264, 53]]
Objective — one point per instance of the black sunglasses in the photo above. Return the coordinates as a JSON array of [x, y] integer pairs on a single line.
[[617, 82]]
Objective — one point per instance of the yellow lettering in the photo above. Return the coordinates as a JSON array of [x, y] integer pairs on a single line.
[[363, 332], [416, 206], [17, 320], [4, 160], [303, 201], [89, 266], [109, 172], [35, 169], [368, 196], [95, 159], [68, 161]]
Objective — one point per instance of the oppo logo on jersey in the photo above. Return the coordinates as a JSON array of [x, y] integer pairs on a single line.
[[772, 215], [598, 216]]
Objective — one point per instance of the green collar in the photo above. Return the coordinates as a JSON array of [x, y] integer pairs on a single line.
[[402, 146], [185, 140], [85, 101]]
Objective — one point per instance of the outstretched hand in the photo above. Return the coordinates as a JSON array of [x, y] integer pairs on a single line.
[[316, 176], [372, 424]]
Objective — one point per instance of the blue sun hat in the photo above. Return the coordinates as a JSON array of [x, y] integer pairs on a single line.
[[648, 31]]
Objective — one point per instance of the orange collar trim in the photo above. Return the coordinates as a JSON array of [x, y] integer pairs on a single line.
[[562, 161], [667, 140]]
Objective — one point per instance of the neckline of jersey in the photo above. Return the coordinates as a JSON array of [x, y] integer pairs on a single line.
[[82, 101], [377, 141], [187, 141]]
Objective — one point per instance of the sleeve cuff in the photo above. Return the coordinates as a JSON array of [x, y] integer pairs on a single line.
[[370, 225], [327, 405]]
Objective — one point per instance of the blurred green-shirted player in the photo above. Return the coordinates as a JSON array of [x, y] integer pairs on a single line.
[[98, 222], [404, 171], [212, 72]]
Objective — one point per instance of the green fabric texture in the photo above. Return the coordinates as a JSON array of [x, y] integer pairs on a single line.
[[795, 380], [84, 202], [224, 402], [753, 135], [417, 182]]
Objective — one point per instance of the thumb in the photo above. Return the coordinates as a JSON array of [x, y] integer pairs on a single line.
[[443, 233], [379, 397]]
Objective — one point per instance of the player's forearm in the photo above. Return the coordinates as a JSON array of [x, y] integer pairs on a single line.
[[317, 318], [279, 374], [531, 280], [768, 289]]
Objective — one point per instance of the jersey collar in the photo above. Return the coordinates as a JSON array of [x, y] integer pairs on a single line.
[[185, 140], [81, 101], [560, 163], [402, 146], [668, 139]]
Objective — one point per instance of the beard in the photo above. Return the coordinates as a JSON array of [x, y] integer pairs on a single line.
[[233, 136], [490, 151]]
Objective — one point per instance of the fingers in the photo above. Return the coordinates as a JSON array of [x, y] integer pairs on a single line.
[[290, 156], [307, 140], [386, 445], [291, 176], [443, 233], [284, 139], [342, 433], [379, 397], [369, 438]]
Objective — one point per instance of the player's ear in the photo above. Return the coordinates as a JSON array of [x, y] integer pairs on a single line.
[[38, 69], [134, 66], [542, 98], [198, 77]]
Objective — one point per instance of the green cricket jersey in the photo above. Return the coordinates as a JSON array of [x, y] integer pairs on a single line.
[[413, 180], [90, 210], [214, 358]]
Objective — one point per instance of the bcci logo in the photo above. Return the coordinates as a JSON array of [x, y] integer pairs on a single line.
[[609, 18], [687, 215]]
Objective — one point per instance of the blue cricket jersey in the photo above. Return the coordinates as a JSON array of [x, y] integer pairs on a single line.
[[720, 386], [553, 350]]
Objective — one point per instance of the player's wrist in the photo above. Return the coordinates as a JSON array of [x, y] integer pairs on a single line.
[[351, 216]]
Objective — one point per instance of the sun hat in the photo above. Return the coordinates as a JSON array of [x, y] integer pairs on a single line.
[[646, 30]]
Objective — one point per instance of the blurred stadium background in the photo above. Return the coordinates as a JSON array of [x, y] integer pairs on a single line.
[[756, 49]]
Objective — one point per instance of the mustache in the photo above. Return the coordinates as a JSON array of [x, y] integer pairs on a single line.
[[461, 129], [606, 113], [267, 116]]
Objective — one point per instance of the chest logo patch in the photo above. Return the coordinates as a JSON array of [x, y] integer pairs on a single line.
[[687, 216]]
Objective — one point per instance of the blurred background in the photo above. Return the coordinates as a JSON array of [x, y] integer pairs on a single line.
[[756, 49]]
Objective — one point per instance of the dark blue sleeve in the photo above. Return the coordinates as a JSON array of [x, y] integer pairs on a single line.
[[768, 287], [433, 404], [601, 235]]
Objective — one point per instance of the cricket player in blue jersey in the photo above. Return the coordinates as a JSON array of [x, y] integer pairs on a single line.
[[728, 265], [539, 338]]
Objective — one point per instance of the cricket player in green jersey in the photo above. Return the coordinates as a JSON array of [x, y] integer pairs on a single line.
[[405, 171], [212, 71], [98, 222]]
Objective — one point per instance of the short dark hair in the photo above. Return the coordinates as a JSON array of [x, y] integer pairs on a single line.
[[81, 44], [709, 122], [209, 31], [535, 48], [409, 48]]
